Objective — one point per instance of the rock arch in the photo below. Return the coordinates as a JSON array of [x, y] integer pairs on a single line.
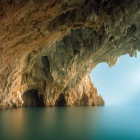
[[54, 52]]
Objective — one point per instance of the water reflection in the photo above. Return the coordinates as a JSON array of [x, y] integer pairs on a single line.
[[72, 123], [11, 123]]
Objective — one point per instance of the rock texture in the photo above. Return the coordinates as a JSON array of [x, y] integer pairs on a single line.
[[49, 47]]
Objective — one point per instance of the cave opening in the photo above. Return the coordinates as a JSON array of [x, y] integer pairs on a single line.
[[119, 85], [61, 101], [32, 98]]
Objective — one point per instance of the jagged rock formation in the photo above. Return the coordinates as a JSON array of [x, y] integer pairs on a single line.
[[49, 47]]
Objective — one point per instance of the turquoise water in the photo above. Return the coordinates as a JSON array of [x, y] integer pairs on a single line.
[[72, 123]]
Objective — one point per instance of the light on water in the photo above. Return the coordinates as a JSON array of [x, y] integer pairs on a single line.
[[72, 123]]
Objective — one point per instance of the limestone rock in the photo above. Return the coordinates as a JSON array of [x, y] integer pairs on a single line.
[[48, 48]]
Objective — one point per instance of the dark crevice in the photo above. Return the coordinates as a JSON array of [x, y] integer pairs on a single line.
[[10, 1], [32, 98], [61, 101], [46, 64]]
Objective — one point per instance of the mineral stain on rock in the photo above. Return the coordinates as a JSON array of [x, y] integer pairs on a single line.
[[48, 48]]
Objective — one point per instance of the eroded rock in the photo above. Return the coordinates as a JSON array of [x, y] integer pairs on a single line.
[[52, 46]]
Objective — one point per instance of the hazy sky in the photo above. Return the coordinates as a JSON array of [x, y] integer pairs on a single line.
[[119, 84]]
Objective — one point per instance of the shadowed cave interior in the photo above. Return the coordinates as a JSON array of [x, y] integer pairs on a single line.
[[61, 101], [32, 98]]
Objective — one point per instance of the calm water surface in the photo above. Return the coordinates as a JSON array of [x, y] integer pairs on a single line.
[[72, 123]]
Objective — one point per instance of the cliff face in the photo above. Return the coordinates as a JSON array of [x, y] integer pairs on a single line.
[[49, 47]]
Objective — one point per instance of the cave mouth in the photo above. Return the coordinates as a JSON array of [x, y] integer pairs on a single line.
[[61, 101], [119, 85], [32, 98]]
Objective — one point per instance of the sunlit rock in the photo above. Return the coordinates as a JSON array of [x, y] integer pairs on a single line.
[[48, 48]]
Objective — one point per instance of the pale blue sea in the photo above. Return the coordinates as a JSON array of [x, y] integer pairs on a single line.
[[71, 123]]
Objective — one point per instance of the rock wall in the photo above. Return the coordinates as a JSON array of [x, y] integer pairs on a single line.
[[48, 48]]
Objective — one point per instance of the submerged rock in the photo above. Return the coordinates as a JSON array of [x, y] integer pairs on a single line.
[[48, 48]]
